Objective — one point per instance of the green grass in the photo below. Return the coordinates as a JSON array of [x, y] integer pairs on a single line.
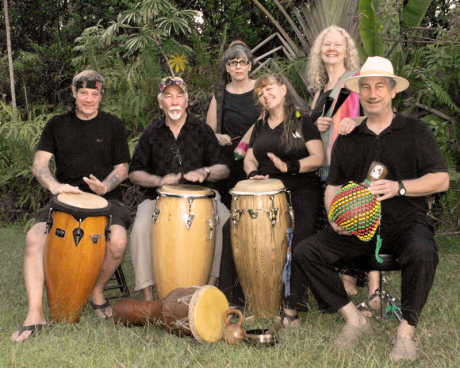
[[95, 343]]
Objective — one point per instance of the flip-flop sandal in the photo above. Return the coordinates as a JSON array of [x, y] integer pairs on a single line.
[[35, 329], [102, 308]]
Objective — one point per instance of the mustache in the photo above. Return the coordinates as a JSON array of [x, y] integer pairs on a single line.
[[175, 109]]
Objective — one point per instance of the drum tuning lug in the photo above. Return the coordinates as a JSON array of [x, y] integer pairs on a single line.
[[78, 235], [49, 223], [236, 217], [253, 213], [95, 238], [156, 213], [210, 229], [188, 218], [272, 215]]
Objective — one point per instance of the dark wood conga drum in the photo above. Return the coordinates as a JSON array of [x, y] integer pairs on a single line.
[[74, 252]]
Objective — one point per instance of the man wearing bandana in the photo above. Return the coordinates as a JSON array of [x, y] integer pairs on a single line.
[[92, 155]]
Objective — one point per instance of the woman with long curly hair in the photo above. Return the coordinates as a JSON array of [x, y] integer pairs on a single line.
[[233, 110], [333, 58]]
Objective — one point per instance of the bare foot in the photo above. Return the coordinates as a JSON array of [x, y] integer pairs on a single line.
[[147, 294], [349, 284]]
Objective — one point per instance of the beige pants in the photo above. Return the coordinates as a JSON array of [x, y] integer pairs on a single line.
[[141, 238]]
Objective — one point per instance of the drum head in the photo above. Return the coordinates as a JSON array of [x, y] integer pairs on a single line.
[[82, 200], [184, 189], [206, 312], [258, 186]]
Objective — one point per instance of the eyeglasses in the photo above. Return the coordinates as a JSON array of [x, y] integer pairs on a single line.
[[241, 62], [177, 157]]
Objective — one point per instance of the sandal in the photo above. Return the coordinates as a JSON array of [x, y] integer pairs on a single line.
[[290, 320], [102, 308], [35, 329]]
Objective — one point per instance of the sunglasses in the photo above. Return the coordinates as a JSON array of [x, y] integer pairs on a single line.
[[241, 62]]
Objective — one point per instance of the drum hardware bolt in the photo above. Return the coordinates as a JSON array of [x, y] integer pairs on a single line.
[[95, 238], [236, 217], [272, 215], [78, 233], [108, 232], [210, 229], [215, 212], [253, 213], [49, 223], [156, 213], [188, 218]]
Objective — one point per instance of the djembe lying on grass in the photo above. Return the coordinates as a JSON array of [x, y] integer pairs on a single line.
[[195, 311]]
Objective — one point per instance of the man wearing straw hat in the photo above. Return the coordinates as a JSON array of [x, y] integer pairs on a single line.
[[407, 147]]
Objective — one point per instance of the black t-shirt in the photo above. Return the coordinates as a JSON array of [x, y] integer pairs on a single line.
[[196, 144], [407, 148], [240, 112], [317, 112], [265, 139], [84, 147]]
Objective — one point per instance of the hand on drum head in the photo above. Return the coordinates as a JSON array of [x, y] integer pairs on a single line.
[[64, 188], [280, 165], [258, 177], [339, 229], [170, 179], [196, 175], [95, 185]]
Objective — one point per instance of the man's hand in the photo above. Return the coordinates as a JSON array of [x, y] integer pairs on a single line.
[[59, 188], [170, 179], [196, 175], [323, 123], [258, 177], [339, 229], [280, 165], [95, 185], [224, 139], [385, 188]]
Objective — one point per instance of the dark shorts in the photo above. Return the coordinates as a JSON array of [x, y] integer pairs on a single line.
[[120, 214]]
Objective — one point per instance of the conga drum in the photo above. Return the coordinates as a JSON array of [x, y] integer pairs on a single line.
[[195, 311], [261, 216], [75, 247], [183, 237]]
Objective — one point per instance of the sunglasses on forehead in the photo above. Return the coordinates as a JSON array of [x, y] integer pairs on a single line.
[[177, 157]]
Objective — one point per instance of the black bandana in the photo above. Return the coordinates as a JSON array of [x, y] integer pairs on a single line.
[[89, 84]]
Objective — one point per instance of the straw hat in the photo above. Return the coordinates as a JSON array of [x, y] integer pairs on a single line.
[[376, 67]]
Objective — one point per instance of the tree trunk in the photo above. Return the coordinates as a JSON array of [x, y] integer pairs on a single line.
[[10, 57]]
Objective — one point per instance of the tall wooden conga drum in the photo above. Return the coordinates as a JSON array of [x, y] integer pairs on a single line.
[[74, 252], [183, 237], [261, 216]]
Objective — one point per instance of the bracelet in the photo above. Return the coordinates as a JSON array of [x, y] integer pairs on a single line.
[[207, 172], [293, 167], [253, 173]]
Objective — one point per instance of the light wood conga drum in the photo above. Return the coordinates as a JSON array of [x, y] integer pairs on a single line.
[[196, 311], [183, 237], [261, 216], [74, 252]]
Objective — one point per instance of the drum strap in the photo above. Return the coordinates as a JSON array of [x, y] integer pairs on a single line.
[[288, 265]]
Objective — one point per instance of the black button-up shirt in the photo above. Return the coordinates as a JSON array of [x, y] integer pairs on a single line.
[[159, 153]]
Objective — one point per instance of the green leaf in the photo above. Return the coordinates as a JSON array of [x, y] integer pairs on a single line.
[[414, 12], [370, 28]]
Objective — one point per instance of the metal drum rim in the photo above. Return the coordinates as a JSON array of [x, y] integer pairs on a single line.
[[258, 193], [195, 196]]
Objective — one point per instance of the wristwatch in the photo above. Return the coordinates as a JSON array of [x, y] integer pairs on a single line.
[[207, 172], [402, 189]]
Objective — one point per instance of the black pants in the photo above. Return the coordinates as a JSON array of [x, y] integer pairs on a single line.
[[306, 203], [411, 242]]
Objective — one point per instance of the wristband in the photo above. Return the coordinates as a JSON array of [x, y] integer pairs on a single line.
[[253, 173], [293, 167]]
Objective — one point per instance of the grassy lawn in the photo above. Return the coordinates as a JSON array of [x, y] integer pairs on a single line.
[[95, 343]]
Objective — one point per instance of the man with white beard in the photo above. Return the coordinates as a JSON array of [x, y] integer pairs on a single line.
[[176, 149]]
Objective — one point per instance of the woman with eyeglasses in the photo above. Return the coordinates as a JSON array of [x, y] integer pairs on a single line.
[[233, 110]]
